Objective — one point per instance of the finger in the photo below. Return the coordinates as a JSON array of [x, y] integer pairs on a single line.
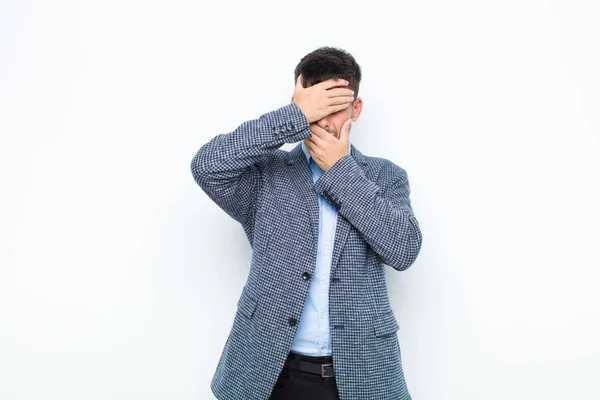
[[312, 141], [341, 100], [345, 129], [329, 83], [310, 146], [335, 108], [339, 92], [319, 132], [319, 140]]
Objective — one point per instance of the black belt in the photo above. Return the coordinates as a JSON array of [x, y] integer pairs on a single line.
[[295, 361]]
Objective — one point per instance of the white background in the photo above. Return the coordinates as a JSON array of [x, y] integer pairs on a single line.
[[119, 277]]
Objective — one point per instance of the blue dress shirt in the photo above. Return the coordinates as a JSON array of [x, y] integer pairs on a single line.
[[312, 335]]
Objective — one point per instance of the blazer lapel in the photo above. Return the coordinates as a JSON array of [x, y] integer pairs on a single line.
[[302, 178]]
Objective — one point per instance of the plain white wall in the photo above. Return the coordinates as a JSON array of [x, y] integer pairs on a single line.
[[119, 277]]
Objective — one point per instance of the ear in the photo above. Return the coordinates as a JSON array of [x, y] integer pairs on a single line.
[[356, 109]]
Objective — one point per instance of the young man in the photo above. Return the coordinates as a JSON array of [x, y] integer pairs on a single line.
[[314, 319]]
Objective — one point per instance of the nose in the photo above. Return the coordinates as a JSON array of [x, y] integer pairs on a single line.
[[323, 123]]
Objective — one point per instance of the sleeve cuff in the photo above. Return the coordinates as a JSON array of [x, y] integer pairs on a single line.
[[288, 123], [343, 178]]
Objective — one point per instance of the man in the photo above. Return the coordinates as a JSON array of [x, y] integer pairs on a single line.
[[314, 319]]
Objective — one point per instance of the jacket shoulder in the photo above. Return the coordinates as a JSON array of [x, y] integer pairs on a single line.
[[386, 171]]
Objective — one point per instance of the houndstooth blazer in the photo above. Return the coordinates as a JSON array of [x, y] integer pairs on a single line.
[[270, 192]]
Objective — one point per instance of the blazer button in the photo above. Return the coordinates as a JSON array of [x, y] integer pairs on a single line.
[[292, 321], [306, 276]]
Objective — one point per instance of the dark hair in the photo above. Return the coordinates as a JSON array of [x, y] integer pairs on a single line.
[[326, 63]]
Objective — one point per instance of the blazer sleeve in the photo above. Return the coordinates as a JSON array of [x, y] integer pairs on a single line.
[[381, 212], [228, 167]]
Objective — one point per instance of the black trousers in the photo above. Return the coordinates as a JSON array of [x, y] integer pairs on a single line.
[[294, 384]]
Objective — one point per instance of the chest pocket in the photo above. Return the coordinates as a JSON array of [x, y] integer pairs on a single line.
[[246, 304], [385, 324]]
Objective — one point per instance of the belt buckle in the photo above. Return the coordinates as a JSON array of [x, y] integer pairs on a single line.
[[323, 370]]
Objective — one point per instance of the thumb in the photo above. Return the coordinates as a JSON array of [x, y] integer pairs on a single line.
[[299, 82], [346, 130]]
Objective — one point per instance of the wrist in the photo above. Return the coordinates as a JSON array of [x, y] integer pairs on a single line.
[[309, 117]]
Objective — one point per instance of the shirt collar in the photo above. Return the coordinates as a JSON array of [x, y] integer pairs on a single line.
[[307, 154]]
